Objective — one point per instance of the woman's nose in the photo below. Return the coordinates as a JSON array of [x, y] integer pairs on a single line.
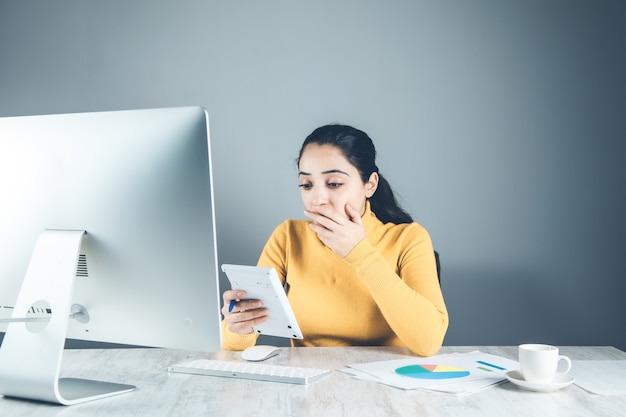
[[320, 197]]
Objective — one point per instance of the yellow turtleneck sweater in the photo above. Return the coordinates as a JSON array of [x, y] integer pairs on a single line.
[[384, 292]]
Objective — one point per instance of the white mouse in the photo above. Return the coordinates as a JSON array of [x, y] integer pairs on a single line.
[[259, 353]]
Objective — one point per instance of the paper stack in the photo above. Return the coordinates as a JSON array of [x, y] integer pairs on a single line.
[[455, 373], [604, 377]]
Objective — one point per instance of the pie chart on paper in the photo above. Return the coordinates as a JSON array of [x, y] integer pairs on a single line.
[[432, 372]]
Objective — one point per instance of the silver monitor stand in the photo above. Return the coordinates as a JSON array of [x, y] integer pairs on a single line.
[[32, 349]]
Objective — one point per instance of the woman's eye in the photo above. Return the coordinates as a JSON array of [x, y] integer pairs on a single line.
[[305, 186], [334, 184]]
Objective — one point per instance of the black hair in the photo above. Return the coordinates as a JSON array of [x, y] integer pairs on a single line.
[[357, 147]]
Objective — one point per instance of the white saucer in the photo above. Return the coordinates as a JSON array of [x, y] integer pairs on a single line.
[[560, 381]]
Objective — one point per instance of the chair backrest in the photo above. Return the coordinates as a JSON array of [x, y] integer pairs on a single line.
[[438, 266]]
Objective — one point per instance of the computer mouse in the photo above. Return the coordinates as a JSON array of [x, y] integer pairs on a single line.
[[259, 353]]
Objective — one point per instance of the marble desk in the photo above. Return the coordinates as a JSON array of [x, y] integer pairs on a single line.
[[160, 393]]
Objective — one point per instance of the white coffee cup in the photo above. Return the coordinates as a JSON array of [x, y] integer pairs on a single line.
[[539, 363]]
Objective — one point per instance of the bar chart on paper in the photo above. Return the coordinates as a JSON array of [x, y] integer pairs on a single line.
[[425, 371]]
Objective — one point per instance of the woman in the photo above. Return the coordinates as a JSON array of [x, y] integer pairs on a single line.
[[360, 272]]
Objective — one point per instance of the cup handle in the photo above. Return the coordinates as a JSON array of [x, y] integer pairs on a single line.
[[567, 361]]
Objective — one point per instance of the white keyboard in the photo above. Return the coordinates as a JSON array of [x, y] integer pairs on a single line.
[[250, 370]]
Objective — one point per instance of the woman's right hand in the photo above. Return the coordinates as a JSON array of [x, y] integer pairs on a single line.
[[244, 315]]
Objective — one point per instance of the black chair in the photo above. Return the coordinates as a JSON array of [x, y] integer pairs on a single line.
[[438, 266]]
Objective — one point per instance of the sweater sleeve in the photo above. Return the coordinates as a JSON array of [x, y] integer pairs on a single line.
[[235, 341], [413, 292]]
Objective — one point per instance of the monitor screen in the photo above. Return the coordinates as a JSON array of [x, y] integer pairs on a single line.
[[139, 184]]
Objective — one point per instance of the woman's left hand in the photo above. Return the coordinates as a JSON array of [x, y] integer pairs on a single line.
[[339, 231]]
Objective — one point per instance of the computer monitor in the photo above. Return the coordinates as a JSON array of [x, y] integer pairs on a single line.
[[123, 200]]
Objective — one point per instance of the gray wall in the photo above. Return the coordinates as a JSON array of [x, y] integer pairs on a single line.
[[500, 124]]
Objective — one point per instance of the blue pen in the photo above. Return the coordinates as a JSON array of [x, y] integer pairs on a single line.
[[231, 305]]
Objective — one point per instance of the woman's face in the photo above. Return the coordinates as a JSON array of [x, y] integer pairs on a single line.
[[327, 178]]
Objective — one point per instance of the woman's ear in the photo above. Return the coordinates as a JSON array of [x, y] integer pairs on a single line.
[[371, 185]]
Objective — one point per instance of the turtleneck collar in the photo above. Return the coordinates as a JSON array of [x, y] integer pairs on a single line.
[[370, 221]]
